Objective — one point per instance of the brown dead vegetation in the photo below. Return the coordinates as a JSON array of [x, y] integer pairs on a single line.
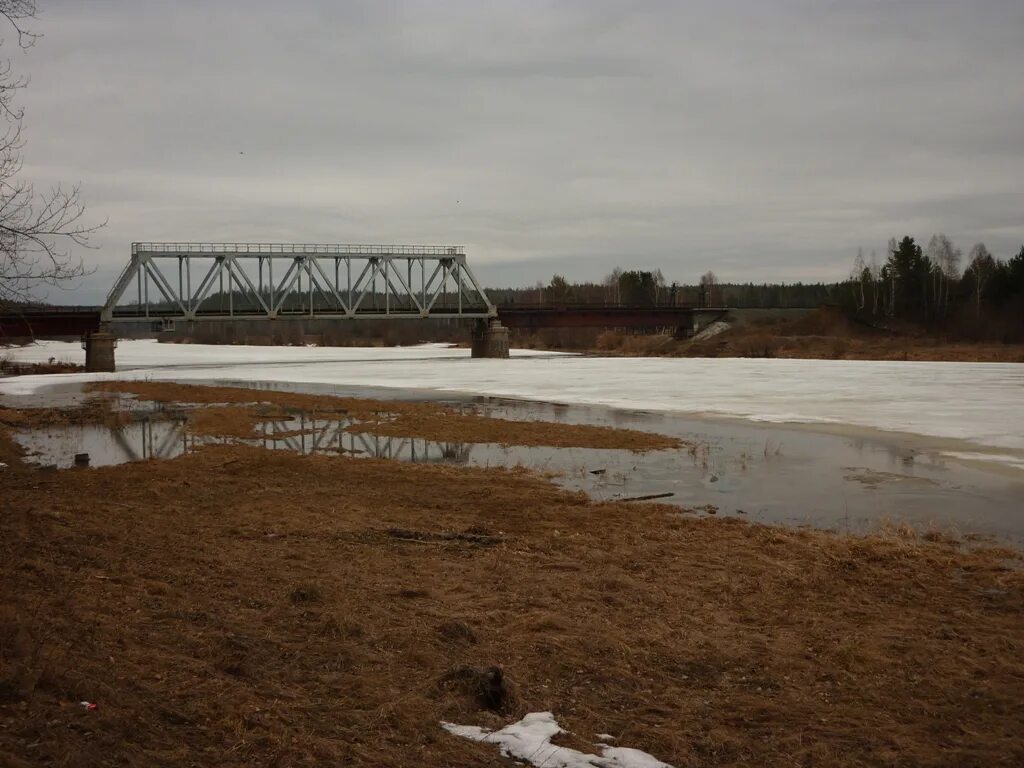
[[825, 334], [767, 342], [11, 453], [238, 410], [171, 392], [473, 428], [247, 607], [233, 420], [96, 410], [9, 367]]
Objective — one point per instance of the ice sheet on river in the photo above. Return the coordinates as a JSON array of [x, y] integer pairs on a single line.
[[979, 402]]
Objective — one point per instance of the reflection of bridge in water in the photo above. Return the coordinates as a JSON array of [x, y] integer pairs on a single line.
[[307, 435], [154, 436], [158, 439]]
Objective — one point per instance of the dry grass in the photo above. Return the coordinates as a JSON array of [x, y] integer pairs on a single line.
[[247, 607], [473, 428], [11, 453], [96, 410], [171, 392], [239, 410], [757, 341], [823, 334], [9, 367], [232, 420]]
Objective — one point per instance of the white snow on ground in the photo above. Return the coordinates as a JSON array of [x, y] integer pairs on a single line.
[[530, 740], [1000, 458], [145, 353], [712, 330], [978, 402]]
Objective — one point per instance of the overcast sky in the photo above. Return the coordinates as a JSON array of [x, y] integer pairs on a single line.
[[764, 140]]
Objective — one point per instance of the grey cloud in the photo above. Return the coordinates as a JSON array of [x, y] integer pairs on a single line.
[[764, 140]]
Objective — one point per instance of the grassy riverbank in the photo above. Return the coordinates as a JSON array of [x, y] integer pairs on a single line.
[[822, 334], [244, 606], [249, 606]]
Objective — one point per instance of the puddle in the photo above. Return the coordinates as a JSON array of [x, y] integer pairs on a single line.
[[305, 434], [767, 473], [138, 441], [155, 436]]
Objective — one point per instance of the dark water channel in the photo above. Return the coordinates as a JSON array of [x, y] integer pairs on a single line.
[[769, 473]]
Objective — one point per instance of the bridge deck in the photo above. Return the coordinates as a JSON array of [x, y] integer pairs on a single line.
[[584, 316], [77, 321], [51, 321]]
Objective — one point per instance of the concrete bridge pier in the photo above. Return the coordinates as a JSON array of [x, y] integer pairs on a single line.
[[99, 351], [490, 339]]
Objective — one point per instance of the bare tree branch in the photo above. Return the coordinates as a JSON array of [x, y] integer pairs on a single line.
[[36, 229], [16, 12]]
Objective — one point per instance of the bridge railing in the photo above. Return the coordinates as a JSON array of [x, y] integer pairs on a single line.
[[265, 249], [554, 306]]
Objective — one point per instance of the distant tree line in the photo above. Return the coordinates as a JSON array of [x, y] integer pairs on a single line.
[[643, 287], [925, 287], [984, 300], [922, 286]]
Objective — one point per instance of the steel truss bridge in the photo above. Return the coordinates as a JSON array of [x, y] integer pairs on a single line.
[[168, 282], [196, 281]]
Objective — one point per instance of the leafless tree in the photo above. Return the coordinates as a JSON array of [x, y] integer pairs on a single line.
[[875, 273], [857, 279], [891, 249], [708, 289], [612, 282], [945, 258], [659, 285], [36, 228], [982, 266]]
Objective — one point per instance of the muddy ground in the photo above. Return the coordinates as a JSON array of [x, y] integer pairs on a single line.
[[238, 606]]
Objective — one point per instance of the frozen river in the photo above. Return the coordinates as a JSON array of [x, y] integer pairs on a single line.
[[977, 407], [833, 444]]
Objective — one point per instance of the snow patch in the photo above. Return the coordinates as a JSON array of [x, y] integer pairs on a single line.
[[530, 740], [998, 458], [712, 330]]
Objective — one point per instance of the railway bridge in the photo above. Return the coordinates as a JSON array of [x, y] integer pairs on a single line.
[[167, 283]]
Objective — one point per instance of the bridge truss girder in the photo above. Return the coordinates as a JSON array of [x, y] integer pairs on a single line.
[[369, 282]]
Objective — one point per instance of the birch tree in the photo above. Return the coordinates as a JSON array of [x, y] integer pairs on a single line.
[[612, 282], [857, 279], [946, 259], [708, 288], [982, 266], [876, 280]]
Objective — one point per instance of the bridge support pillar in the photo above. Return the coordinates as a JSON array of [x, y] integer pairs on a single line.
[[99, 351], [490, 339]]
